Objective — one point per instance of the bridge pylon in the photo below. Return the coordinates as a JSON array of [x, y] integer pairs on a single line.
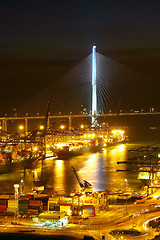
[[94, 88]]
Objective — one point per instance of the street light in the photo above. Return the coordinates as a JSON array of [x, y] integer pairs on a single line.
[[82, 126], [62, 127], [21, 127], [41, 127]]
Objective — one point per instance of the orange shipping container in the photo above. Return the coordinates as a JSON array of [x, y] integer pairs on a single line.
[[3, 208], [34, 203], [33, 210]]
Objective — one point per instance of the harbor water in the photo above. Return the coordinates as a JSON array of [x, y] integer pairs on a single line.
[[99, 169]]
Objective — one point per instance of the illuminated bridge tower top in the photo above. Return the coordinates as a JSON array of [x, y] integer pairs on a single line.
[[94, 88]]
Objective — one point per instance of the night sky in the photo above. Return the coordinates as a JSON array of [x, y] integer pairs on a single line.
[[42, 40]]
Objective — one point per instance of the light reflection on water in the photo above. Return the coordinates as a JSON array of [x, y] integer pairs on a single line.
[[59, 176], [99, 169]]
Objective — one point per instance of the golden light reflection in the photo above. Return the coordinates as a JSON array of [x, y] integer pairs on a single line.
[[59, 176], [92, 158], [59, 163], [114, 150], [37, 173], [121, 148], [91, 165], [117, 154]]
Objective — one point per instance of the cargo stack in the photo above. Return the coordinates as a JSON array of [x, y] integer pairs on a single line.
[[53, 204], [26, 204], [65, 204], [35, 206], [44, 200], [11, 206], [3, 205], [23, 205]]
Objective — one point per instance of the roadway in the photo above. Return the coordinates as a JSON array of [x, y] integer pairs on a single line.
[[134, 113], [116, 218], [121, 217], [26, 118]]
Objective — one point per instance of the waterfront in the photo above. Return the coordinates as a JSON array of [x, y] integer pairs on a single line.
[[97, 168]]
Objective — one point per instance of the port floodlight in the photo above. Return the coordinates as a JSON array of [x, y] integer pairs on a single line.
[[21, 127], [114, 131], [62, 127], [35, 148], [41, 127]]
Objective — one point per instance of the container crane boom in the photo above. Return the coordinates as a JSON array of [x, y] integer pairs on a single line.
[[84, 185], [78, 179]]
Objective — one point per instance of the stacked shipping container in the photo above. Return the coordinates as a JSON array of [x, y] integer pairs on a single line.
[[77, 204], [3, 205], [25, 205]]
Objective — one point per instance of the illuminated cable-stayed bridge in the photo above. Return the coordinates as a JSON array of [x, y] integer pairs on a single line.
[[97, 84], [113, 86]]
